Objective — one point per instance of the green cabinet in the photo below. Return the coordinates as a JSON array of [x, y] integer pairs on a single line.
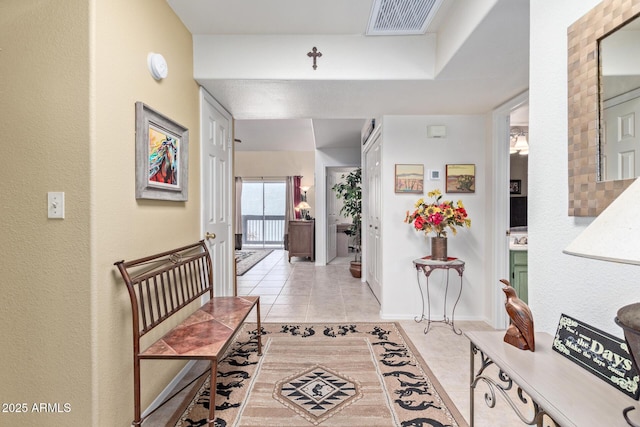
[[518, 273]]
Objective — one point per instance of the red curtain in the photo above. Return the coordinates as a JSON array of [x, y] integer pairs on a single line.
[[296, 194]]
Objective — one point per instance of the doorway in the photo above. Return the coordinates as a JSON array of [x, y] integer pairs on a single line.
[[518, 195], [263, 213], [339, 246], [500, 225]]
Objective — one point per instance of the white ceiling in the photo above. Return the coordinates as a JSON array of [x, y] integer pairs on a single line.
[[296, 134], [489, 67]]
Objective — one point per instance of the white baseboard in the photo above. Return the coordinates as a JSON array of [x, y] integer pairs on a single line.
[[405, 316], [392, 317], [169, 388]]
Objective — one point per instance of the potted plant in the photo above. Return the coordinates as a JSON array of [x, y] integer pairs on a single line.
[[350, 191]]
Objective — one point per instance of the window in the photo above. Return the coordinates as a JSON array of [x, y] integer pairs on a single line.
[[263, 209]]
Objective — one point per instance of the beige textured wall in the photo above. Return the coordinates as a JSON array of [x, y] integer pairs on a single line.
[[123, 227], [279, 164], [71, 73], [45, 283]]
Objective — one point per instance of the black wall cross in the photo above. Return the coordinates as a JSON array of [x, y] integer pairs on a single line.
[[315, 55]]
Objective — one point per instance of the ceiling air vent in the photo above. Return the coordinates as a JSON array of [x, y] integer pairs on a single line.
[[401, 17]]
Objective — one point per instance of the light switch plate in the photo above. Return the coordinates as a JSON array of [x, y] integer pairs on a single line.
[[55, 204]]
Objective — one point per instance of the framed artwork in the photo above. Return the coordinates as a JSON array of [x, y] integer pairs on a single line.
[[162, 156], [409, 179], [461, 179], [515, 186]]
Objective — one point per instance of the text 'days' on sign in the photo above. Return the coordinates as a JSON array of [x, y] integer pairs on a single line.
[[604, 355]]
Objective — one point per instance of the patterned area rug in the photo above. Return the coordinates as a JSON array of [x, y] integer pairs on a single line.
[[365, 374], [247, 259]]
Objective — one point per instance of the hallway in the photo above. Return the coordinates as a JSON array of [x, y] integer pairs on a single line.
[[301, 292]]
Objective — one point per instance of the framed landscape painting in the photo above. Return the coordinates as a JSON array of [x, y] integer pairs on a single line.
[[409, 179], [162, 156], [461, 179]]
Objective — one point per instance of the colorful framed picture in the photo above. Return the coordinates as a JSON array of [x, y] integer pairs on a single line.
[[515, 186], [162, 156], [409, 179], [461, 179]]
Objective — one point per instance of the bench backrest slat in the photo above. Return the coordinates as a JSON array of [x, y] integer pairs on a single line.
[[162, 284]]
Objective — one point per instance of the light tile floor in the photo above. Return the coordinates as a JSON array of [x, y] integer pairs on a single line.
[[301, 292]]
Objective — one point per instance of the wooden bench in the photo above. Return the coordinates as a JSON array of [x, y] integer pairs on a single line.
[[164, 284]]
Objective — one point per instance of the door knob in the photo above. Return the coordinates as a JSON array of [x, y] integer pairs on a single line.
[[210, 235]]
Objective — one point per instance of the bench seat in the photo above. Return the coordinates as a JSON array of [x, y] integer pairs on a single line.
[[164, 284], [206, 333]]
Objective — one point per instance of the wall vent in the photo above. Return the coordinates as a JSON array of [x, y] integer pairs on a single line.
[[401, 17]]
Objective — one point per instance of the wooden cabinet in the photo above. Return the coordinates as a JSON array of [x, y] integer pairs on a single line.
[[302, 239], [518, 265]]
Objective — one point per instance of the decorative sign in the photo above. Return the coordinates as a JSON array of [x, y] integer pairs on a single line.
[[604, 355]]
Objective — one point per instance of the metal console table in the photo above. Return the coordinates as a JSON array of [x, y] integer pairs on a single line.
[[546, 384], [427, 265]]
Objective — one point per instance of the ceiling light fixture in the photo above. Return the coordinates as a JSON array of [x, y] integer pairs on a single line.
[[518, 141]]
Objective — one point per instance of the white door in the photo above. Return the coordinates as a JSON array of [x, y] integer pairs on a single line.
[[332, 217], [621, 141], [374, 244], [217, 179]]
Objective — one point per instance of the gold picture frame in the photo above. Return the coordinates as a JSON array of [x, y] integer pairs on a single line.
[[460, 178], [409, 179]]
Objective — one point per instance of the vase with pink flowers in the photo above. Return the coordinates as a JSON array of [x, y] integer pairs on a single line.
[[438, 216]]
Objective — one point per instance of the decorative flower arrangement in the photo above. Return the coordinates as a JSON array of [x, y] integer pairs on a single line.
[[438, 215]]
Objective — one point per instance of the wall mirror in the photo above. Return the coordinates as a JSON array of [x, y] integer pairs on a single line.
[[620, 103], [589, 194]]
